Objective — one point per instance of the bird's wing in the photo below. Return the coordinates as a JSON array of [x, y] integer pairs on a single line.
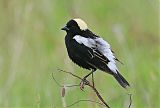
[[105, 49], [100, 49], [91, 44]]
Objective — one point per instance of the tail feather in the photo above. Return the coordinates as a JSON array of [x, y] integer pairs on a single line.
[[121, 80]]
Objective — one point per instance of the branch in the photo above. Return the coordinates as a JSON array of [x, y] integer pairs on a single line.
[[84, 101], [70, 74], [99, 96], [130, 99], [88, 84], [63, 85]]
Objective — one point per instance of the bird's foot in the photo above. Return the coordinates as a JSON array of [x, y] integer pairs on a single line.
[[83, 83]]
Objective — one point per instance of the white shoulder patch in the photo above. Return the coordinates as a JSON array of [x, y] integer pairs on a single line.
[[88, 42], [82, 25]]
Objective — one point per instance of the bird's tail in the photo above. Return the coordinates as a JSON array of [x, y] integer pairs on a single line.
[[121, 80]]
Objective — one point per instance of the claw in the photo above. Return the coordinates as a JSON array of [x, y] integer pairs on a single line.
[[83, 83]]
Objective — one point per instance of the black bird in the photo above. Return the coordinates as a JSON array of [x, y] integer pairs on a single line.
[[90, 51]]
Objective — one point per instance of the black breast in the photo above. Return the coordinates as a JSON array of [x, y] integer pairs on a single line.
[[76, 53]]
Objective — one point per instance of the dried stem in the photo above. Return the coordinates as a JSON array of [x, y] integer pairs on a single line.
[[87, 83], [130, 99], [91, 86], [98, 95], [73, 85], [84, 101]]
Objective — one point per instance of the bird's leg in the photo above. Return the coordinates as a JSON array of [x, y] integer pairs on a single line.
[[84, 81]]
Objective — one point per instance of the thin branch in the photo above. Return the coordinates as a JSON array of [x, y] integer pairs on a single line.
[[63, 85], [86, 82], [130, 98], [83, 101], [70, 74], [99, 96], [56, 81]]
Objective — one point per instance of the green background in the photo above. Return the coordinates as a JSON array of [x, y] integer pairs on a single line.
[[32, 48]]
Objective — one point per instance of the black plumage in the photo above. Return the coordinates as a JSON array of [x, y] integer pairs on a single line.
[[90, 51]]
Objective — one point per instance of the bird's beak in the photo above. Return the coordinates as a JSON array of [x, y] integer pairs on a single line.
[[65, 28]]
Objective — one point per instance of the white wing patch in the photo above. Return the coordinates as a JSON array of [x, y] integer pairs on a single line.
[[86, 41], [102, 46]]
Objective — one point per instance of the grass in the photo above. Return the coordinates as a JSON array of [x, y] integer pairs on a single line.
[[32, 47]]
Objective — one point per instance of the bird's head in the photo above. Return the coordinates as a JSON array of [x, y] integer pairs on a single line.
[[75, 26]]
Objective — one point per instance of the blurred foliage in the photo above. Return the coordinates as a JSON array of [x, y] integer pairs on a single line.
[[32, 47]]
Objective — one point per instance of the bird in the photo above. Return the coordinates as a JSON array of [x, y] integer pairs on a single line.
[[90, 51]]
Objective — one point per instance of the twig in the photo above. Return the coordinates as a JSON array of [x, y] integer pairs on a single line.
[[56, 81], [99, 96], [130, 98], [83, 101], [70, 74], [88, 84], [63, 85]]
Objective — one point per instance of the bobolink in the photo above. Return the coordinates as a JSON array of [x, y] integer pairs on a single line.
[[90, 51]]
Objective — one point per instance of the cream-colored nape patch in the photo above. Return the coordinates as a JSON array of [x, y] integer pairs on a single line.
[[82, 25]]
